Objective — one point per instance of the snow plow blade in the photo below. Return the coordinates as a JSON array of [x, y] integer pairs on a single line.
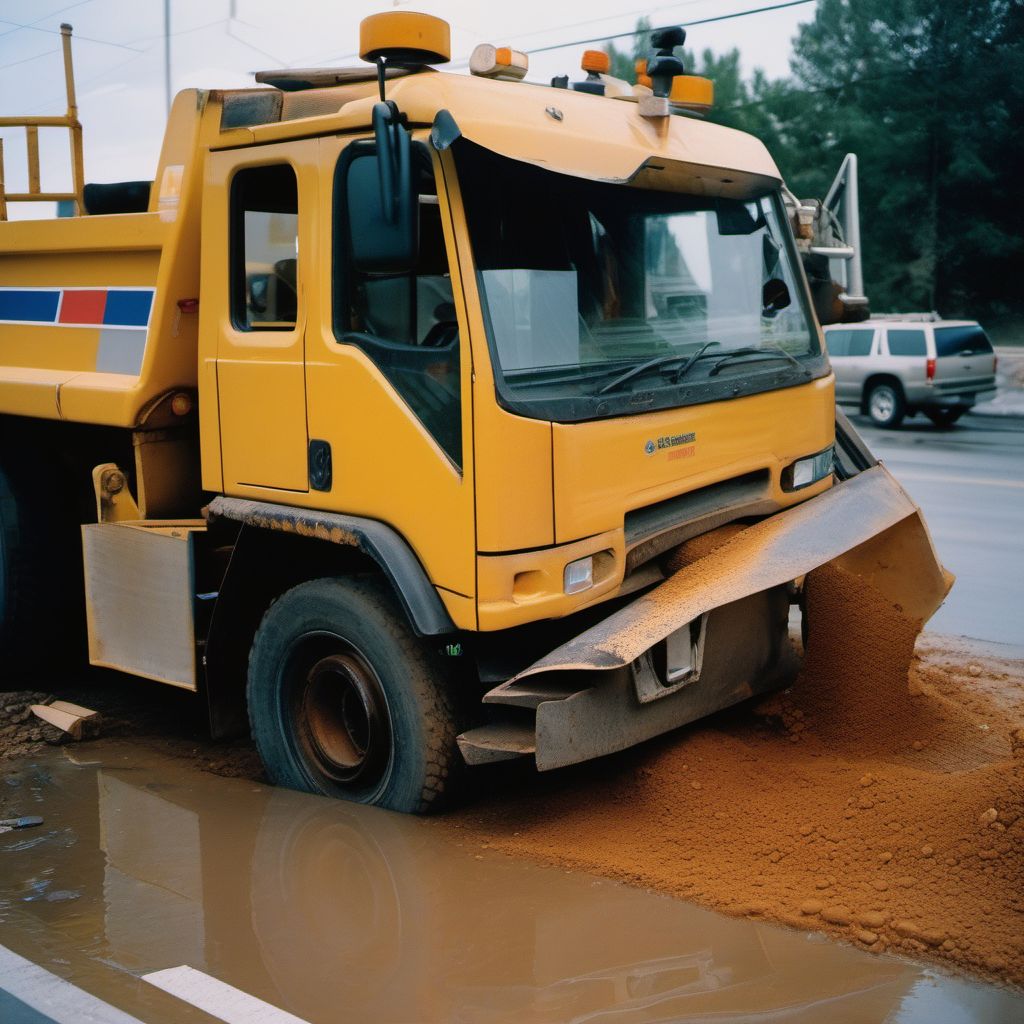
[[724, 616]]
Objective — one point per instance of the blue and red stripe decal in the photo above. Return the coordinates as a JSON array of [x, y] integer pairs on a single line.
[[77, 307]]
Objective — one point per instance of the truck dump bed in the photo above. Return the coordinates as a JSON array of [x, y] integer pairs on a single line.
[[98, 314]]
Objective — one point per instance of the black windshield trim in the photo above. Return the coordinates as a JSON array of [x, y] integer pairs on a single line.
[[581, 408]]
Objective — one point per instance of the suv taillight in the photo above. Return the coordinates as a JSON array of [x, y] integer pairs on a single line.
[[929, 369]]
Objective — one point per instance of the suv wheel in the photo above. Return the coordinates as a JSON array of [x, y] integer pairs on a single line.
[[944, 417], [886, 405]]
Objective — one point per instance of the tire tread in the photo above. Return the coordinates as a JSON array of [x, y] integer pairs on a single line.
[[442, 760]]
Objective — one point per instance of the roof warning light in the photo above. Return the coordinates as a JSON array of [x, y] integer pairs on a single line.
[[489, 61]]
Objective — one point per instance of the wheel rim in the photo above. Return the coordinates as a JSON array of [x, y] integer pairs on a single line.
[[883, 402], [341, 714]]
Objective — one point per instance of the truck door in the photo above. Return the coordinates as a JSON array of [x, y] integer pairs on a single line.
[[268, 202], [388, 377]]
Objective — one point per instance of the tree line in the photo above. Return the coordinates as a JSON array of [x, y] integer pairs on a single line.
[[930, 96]]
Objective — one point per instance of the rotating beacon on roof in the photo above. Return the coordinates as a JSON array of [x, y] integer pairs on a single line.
[[416, 421]]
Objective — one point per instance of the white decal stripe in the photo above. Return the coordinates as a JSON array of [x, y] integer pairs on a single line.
[[218, 999], [54, 997]]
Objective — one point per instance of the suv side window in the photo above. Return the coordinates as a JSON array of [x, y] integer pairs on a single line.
[[264, 248], [405, 323], [850, 342], [907, 343]]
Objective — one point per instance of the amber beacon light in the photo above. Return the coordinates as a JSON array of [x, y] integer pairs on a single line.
[[405, 37]]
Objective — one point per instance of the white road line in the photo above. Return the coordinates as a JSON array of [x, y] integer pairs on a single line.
[[217, 998], [949, 478], [54, 997]]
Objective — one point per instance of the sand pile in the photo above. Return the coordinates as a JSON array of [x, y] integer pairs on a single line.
[[885, 810]]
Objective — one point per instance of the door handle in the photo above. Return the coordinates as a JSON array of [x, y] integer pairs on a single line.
[[320, 469]]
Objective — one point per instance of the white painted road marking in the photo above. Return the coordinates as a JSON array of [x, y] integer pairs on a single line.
[[54, 998], [217, 998]]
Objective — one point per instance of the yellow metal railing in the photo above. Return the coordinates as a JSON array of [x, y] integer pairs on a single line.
[[35, 194]]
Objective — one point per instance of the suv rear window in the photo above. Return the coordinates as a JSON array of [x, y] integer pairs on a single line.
[[907, 343], [849, 343], [952, 341]]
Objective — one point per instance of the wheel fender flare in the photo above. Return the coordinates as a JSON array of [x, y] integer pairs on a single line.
[[392, 553], [256, 530]]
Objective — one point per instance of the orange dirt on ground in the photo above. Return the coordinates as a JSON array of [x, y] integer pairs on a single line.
[[878, 800]]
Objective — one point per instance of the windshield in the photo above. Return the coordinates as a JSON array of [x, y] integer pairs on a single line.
[[584, 283]]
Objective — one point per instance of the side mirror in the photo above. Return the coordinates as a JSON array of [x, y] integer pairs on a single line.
[[383, 218], [774, 296]]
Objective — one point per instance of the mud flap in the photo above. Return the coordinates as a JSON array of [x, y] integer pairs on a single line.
[[866, 526]]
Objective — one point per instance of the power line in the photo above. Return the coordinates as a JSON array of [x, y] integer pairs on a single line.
[[847, 84], [25, 60], [52, 14], [18, 26], [516, 36], [685, 24], [82, 86], [643, 12]]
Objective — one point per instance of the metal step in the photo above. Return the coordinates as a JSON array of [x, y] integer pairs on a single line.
[[501, 741]]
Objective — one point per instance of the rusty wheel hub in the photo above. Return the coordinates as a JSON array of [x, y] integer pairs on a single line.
[[345, 717]]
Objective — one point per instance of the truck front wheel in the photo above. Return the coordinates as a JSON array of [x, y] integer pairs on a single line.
[[345, 701]]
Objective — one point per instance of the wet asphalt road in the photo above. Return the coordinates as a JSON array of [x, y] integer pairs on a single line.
[[969, 481]]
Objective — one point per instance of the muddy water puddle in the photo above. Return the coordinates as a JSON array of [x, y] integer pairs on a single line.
[[339, 913]]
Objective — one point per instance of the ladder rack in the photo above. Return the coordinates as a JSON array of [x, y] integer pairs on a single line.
[[32, 124]]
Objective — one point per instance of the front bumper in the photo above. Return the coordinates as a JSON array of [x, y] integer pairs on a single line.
[[584, 693]]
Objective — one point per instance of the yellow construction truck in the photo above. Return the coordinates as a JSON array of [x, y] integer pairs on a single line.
[[420, 420]]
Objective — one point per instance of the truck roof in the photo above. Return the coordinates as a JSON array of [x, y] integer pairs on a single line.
[[597, 137]]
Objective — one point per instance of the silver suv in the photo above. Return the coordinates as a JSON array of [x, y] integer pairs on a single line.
[[893, 367]]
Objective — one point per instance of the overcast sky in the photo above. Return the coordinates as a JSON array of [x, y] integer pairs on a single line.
[[119, 56]]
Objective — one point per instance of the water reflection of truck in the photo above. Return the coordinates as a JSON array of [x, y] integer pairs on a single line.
[[311, 905], [389, 437]]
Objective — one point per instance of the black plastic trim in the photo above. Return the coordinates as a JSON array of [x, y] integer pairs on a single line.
[[582, 408], [852, 455]]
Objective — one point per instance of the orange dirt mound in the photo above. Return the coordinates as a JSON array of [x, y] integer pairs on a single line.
[[879, 799]]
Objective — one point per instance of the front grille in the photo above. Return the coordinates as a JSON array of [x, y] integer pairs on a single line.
[[654, 529]]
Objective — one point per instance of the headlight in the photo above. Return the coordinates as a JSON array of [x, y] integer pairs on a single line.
[[805, 472], [579, 575]]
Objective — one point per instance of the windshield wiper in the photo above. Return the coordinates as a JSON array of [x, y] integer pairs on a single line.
[[635, 371], [762, 353], [691, 362]]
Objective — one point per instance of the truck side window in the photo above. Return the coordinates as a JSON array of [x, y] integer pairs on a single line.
[[406, 322], [907, 343], [264, 248]]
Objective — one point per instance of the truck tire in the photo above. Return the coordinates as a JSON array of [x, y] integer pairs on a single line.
[[944, 417], [345, 701], [25, 561], [886, 405]]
